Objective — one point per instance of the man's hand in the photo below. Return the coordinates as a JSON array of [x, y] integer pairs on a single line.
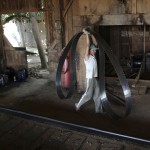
[[85, 31]]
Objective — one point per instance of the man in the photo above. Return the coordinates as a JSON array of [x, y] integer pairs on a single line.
[[92, 86]]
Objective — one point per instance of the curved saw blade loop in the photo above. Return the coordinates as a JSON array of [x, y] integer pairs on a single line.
[[103, 47]]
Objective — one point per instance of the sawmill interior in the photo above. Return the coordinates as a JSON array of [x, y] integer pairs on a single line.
[[130, 40], [35, 36]]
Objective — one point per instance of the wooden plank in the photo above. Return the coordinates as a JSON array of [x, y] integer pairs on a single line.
[[122, 19], [67, 7], [137, 40], [16, 59], [2, 56], [97, 7], [48, 22], [116, 20], [70, 23], [7, 6], [65, 3], [33, 4], [134, 6], [115, 36], [66, 29], [143, 6], [22, 5], [77, 20], [75, 9]]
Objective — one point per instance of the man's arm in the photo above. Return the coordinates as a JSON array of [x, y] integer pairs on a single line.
[[87, 47], [94, 40]]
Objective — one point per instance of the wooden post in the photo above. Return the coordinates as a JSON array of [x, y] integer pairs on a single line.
[[142, 68], [144, 51], [2, 53]]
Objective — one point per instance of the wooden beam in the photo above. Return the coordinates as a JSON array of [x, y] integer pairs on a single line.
[[121, 19], [144, 50], [67, 8], [2, 53], [16, 6]]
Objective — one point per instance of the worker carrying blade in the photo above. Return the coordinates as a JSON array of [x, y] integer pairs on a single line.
[[92, 87]]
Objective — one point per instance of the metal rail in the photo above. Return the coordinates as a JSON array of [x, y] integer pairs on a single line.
[[72, 126]]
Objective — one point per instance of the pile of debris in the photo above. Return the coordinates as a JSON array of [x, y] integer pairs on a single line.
[[37, 72], [34, 72]]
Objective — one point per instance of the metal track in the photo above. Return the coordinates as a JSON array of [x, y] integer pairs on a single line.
[[73, 126], [103, 47]]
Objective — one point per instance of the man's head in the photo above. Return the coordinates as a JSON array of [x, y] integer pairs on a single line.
[[93, 49]]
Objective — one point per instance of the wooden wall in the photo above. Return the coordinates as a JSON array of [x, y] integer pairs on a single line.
[[13, 57], [77, 14], [11, 6], [64, 18], [16, 59]]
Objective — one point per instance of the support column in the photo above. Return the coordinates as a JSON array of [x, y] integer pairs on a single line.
[[2, 54]]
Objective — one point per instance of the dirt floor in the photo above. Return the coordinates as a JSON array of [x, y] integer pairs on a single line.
[[38, 96], [20, 133]]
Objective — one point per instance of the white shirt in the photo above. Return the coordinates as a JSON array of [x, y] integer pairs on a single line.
[[91, 67]]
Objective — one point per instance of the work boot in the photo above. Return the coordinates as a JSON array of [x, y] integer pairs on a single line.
[[103, 111], [100, 109], [97, 111]]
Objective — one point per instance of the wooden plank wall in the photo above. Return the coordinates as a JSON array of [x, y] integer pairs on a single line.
[[84, 13], [73, 15], [143, 6], [49, 21], [11, 6], [16, 59], [114, 12]]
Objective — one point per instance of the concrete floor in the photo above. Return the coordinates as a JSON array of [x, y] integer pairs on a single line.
[[38, 96]]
